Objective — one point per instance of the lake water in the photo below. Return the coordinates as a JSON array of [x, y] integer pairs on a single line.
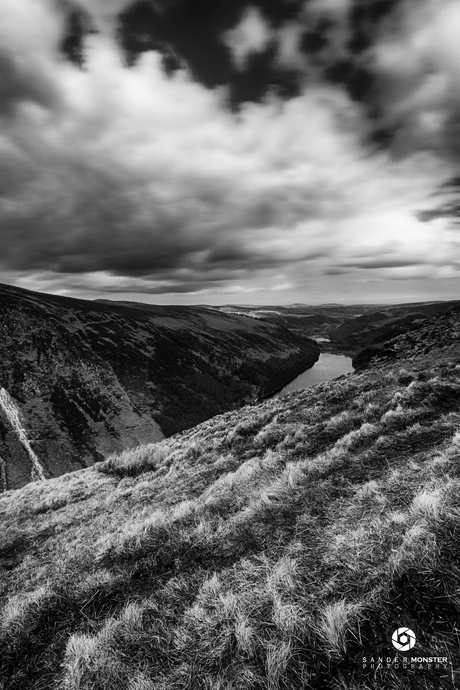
[[327, 367]]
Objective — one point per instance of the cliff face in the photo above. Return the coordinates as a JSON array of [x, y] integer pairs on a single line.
[[87, 379]]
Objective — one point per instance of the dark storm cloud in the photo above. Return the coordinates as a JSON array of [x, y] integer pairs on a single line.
[[229, 154], [110, 284], [98, 228], [333, 40], [77, 26], [375, 49], [335, 271], [227, 253], [175, 288], [374, 263], [77, 215], [192, 33], [380, 51]]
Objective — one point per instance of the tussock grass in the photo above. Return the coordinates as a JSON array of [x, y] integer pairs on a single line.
[[131, 463], [336, 622], [271, 547]]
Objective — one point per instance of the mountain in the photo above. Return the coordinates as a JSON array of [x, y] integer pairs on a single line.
[[305, 320], [79, 379], [376, 327], [278, 546], [343, 328]]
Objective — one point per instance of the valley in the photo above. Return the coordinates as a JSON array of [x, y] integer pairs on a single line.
[[346, 329], [91, 378], [273, 546]]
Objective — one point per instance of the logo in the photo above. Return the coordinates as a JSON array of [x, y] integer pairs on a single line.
[[403, 639]]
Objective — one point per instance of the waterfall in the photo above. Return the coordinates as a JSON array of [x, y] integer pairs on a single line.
[[12, 413], [3, 484]]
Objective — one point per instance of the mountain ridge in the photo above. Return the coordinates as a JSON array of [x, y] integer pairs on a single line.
[[91, 378]]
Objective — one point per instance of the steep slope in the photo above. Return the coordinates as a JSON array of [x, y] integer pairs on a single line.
[[87, 379], [387, 322], [276, 546], [435, 340]]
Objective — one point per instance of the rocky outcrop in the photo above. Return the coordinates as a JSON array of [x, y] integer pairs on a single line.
[[91, 378]]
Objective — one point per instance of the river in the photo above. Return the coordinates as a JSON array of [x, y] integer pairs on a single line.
[[327, 367]]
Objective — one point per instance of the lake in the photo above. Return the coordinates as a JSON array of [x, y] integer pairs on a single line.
[[327, 367]]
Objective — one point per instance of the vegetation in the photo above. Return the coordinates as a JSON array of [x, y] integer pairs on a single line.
[[344, 327], [91, 378], [373, 328], [364, 357], [272, 547]]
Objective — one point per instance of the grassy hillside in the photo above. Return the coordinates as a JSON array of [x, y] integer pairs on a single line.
[[89, 378], [272, 547], [384, 323], [435, 340]]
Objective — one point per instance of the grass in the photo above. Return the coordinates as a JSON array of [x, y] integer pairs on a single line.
[[272, 547], [131, 463]]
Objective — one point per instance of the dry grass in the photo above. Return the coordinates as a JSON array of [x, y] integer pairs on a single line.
[[271, 547], [131, 463]]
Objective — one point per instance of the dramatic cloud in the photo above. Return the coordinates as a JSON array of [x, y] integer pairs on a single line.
[[144, 179], [417, 62], [250, 36]]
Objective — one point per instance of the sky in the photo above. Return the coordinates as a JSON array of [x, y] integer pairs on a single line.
[[201, 151]]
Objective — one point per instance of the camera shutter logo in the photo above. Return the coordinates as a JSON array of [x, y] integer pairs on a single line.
[[403, 639]]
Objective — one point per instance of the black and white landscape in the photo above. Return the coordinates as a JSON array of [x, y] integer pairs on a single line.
[[229, 345]]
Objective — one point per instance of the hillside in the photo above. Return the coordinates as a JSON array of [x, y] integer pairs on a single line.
[[307, 320], [271, 547], [435, 340], [81, 379], [387, 322], [345, 328]]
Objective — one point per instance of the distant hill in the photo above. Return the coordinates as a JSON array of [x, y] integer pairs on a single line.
[[343, 328], [306, 320], [387, 322], [436, 339], [279, 546], [82, 379]]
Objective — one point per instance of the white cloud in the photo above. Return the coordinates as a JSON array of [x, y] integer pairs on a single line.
[[288, 39], [29, 25], [104, 12], [419, 68], [445, 45], [334, 6], [251, 35]]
